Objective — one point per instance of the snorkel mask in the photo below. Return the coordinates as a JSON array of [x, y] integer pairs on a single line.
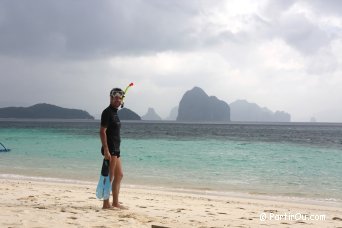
[[117, 92]]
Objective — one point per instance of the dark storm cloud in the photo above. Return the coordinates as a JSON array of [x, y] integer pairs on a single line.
[[294, 28], [302, 34], [93, 28]]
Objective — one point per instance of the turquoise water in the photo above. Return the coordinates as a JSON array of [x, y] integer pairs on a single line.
[[255, 159]]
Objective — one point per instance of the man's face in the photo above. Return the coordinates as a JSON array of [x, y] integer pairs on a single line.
[[115, 101]]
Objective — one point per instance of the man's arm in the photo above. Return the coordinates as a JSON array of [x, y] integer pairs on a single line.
[[103, 137]]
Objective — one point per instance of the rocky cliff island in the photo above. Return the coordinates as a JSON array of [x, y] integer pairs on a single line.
[[197, 106]]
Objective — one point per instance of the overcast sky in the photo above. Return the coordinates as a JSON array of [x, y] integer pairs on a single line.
[[284, 55]]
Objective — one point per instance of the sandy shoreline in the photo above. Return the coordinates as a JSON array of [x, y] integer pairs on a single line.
[[46, 204]]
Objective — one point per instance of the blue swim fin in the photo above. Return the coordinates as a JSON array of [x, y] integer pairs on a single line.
[[104, 186]]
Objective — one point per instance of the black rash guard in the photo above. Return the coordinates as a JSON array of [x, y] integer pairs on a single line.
[[111, 121]]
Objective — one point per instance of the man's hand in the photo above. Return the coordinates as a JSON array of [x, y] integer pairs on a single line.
[[107, 154]]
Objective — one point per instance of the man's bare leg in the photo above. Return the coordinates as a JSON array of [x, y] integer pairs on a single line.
[[118, 175], [106, 203]]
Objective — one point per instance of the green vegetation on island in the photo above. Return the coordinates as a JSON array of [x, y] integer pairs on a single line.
[[43, 111]]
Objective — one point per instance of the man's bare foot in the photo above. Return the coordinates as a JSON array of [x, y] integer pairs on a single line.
[[106, 205]]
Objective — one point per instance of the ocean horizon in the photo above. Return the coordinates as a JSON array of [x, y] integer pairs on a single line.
[[300, 160]]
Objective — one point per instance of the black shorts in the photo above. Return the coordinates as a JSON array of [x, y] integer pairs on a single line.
[[114, 152]]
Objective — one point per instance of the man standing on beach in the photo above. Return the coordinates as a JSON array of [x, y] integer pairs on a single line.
[[110, 139]]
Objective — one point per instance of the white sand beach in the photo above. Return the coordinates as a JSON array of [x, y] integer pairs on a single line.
[[45, 204]]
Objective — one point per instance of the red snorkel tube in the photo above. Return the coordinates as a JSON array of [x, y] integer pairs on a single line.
[[130, 85]]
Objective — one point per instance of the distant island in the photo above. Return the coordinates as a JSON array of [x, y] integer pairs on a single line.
[[44, 111], [197, 106], [151, 115], [173, 114], [127, 114], [242, 110]]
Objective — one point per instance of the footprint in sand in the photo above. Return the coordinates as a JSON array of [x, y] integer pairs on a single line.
[[271, 211], [72, 217], [30, 198], [301, 222], [246, 218], [222, 213], [191, 220], [127, 216], [337, 219], [157, 226], [180, 209]]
